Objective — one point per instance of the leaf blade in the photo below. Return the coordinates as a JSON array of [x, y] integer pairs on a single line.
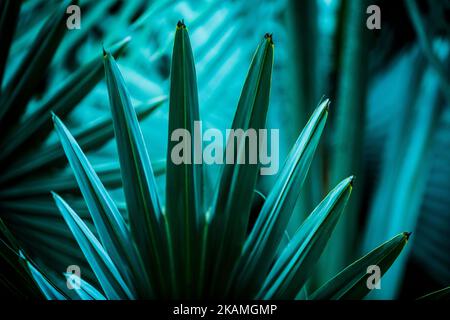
[[107, 273], [109, 223], [297, 260], [184, 188], [145, 213], [265, 237], [227, 228], [350, 283]]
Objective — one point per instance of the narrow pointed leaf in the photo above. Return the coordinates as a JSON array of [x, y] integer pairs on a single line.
[[47, 288], [264, 239], [232, 206], [351, 283], [184, 180], [297, 260], [107, 273], [109, 223], [144, 209], [86, 290]]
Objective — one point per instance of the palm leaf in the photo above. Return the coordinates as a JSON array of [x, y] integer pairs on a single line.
[[48, 289], [260, 248], [350, 283], [106, 271], [89, 137], [145, 214], [109, 223], [86, 291], [231, 208], [297, 260], [184, 181]]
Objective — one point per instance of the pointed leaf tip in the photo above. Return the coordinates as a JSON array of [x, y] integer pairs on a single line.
[[352, 180], [328, 102], [407, 235], [180, 24], [269, 37], [54, 116]]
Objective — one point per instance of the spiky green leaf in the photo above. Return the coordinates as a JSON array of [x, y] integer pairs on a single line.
[[231, 206], [184, 187], [297, 260], [104, 268], [109, 223], [265, 237], [351, 283], [145, 213]]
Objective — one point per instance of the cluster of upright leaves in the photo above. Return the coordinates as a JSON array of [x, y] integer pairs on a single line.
[[185, 250]]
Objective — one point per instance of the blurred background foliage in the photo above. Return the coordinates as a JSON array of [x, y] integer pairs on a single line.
[[389, 119]]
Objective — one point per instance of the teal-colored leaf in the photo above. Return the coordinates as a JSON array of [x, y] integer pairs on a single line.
[[109, 223], [351, 283], [86, 291], [106, 271], [297, 260], [265, 237], [231, 208], [144, 210], [184, 189], [48, 289]]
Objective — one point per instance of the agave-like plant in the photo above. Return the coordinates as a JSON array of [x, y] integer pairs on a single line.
[[192, 248]]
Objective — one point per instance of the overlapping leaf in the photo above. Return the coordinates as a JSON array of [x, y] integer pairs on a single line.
[[108, 275], [109, 223], [297, 260], [184, 187], [89, 137], [231, 208], [144, 210], [351, 283], [265, 237]]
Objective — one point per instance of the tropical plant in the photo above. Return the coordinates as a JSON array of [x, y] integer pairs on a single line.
[[191, 248]]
